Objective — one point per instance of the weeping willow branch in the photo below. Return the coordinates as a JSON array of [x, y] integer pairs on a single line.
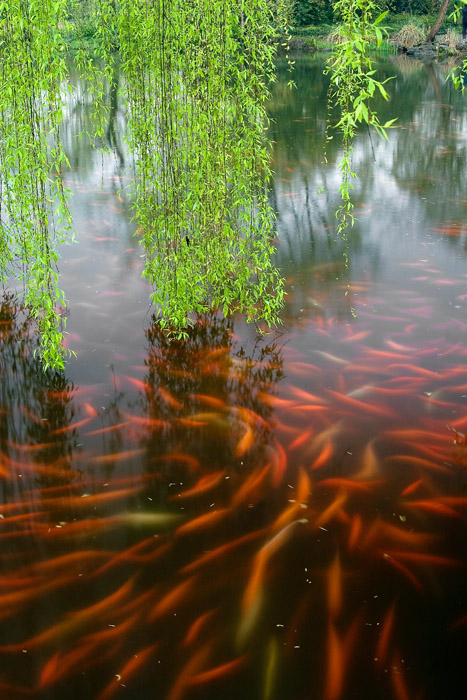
[[197, 76], [34, 219], [352, 88]]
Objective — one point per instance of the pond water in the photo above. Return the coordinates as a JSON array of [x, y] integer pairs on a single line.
[[279, 517]]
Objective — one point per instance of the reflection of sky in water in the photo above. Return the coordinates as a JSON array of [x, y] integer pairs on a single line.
[[409, 194]]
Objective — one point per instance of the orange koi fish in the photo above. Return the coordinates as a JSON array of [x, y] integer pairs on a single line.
[[10, 600], [205, 484], [189, 460], [422, 436], [71, 426], [384, 354], [202, 521], [169, 399], [306, 396], [384, 638], [192, 667], [131, 667], [78, 619], [197, 626], [118, 456], [252, 489], [404, 570], [415, 369], [332, 509], [301, 439], [412, 487], [321, 439], [19, 518], [349, 484], [91, 500], [335, 666], [50, 672], [355, 530], [218, 672], [304, 369], [355, 337], [260, 560], [312, 408], [289, 514], [428, 559], [245, 443], [435, 507], [30, 448], [400, 688], [90, 410], [278, 462], [33, 417], [222, 550], [361, 406], [134, 554], [303, 487], [251, 417], [146, 422], [110, 634], [392, 532], [370, 466], [138, 384], [417, 462], [108, 429], [274, 401], [209, 401], [66, 561]]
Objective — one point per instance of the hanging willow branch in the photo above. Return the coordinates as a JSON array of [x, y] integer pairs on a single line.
[[34, 218], [353, 87], [197, 75]]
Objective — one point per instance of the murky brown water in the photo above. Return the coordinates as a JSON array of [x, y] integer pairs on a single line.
[[274, 518]]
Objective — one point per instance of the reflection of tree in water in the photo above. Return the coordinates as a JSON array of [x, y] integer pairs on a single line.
[[37, 407], [206, 394]]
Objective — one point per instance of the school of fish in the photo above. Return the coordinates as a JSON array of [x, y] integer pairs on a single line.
[[277, 516]]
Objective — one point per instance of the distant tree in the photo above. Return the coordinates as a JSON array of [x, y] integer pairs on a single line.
[[439, 20], [312, 12]]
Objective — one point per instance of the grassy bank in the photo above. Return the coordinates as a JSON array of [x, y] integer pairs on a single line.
[[320, 36]]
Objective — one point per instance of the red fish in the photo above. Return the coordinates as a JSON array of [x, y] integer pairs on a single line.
[[196, 627], [335, 666], [222, 550], [245, 443], [132, 667], [205, 484], [252, 488], [332, 510], [382, 647], [219, 672], [355, 531], [202, 521]]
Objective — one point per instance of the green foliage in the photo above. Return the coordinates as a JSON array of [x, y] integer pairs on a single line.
[[419, 7], [312, 12], [197, 78], [353, 86], [34, 218]]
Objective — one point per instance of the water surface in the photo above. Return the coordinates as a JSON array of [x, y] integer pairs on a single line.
[[276, 517]]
